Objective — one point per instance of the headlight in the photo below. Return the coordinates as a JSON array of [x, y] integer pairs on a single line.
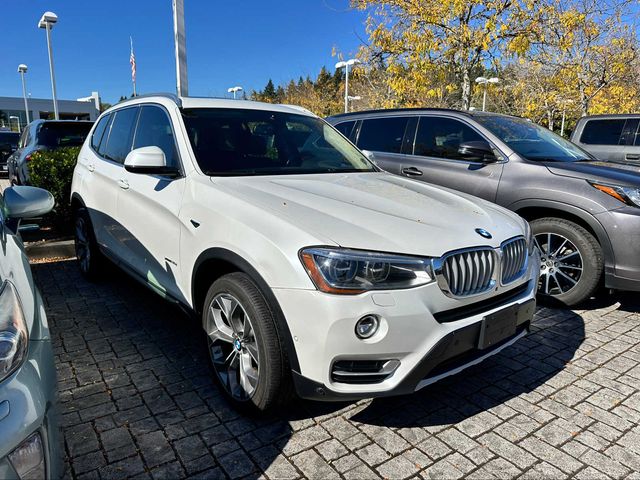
[[628, 195], [349, 272], [13, 331], [528, 235]]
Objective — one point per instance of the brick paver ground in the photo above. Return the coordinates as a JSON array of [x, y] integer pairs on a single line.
[[138, 401]]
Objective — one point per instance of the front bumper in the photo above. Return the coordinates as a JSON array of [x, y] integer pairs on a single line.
[[622, 225], [428, 333], [28, 403]]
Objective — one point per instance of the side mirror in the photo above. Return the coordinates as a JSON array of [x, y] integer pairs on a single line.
[[477, 149], [149, 160], [370, 156], [27, 202]]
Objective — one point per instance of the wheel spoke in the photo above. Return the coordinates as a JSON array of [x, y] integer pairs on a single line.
[[555, 279], [535, 239], [546, 283], [557, 250], [217, 327], [567, 277], [570, 267], [252, 349], [575, 252]]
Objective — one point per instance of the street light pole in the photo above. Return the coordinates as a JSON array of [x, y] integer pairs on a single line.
[[234, 90], [346, 66], [486, 81], [22, 69], [47, 21], [180, 38]]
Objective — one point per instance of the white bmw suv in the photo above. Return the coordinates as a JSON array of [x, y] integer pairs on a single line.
[[309, 268]]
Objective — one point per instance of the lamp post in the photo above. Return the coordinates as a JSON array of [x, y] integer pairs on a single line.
[[234, 90], [346, 66], [180, 40], [22, 69], [48, 20], [486, 81]]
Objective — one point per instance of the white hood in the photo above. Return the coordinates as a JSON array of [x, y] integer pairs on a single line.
[[378, 211]]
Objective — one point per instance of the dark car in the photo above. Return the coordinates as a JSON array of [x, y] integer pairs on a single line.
[[44, 135], [585, 213], [609, 137], [8, 145]]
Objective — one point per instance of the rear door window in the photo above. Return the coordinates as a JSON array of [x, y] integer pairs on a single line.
[[441, 137], [345, 128], [118, 143], [63, 134], [382, 134], [98, 133], [602, 132]]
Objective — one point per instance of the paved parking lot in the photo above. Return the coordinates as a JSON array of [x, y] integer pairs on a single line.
[[138, 401]]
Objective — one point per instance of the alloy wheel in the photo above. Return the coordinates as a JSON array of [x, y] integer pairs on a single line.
[[233, 347], [82, 243], [561, 264]]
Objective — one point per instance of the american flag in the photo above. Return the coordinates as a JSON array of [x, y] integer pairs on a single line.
[[132, 61]]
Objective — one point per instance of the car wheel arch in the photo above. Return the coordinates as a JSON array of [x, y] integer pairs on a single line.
[[212, 264], [76, 202], [544, 208]]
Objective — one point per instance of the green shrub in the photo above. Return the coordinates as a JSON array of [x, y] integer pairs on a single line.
[[53, 171]]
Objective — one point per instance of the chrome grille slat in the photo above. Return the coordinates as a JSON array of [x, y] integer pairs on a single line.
[[469, 272], [514, 258]]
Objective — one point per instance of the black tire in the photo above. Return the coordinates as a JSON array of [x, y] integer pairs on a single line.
[[90, 259], [581, 250], [273, 372]]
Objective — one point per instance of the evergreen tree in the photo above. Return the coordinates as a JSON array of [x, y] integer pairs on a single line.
[[269, 93]]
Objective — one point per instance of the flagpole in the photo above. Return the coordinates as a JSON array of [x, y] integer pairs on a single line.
[[133, 72]]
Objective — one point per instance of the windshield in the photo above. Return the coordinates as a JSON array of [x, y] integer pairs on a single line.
[[230, 142], [532, 141], [63, 134]]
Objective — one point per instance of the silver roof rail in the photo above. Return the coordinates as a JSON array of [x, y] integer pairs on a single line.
[[170, 96]]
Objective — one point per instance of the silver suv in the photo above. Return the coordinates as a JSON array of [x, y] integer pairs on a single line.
[[609, 137], [585, 214]]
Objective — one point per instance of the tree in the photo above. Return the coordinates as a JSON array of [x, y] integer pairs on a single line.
[[431, 48], [589, 45], [269, 92]]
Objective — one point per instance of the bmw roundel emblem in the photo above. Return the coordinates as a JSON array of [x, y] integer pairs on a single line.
[[483, 233]]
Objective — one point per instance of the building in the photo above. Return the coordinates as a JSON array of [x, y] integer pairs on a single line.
[[12, 110]]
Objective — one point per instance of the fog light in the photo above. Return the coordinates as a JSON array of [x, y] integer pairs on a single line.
[[367, 326], [28, 459]]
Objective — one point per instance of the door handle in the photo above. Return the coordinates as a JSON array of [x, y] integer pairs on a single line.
[[412, 171], [91, 167], [123, 184], [632, 156]]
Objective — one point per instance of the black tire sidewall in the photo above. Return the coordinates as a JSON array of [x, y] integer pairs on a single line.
[[590, 250], [92, 272], [270, 371]]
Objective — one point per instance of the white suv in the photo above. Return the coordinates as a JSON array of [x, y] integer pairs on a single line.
[[309, 268]]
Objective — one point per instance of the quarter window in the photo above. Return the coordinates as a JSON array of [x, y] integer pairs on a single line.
[[441, 137], [96, 138], [602, 132], [118, 143], [382, 134], [154, 129]]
